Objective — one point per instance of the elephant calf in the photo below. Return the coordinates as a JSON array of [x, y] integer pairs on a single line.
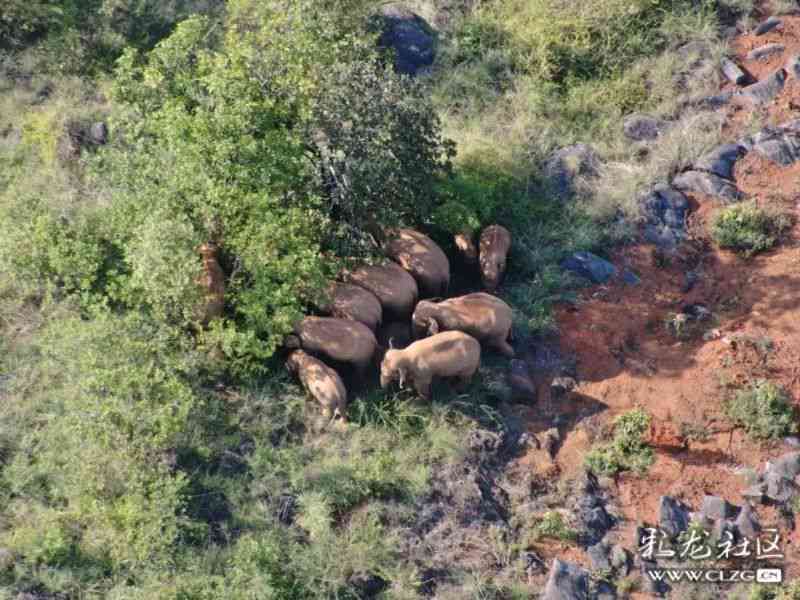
[[340, 340], [423, 258], [321, 382], [483, 316], [351, 302], [494, 244], [394, 287], [448, 354]]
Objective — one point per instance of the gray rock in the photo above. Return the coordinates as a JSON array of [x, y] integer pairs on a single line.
[[409, 36], [732, 72], [665, 209], [640, 127], [765, 51], [709, 184], [767, 26], [367, 585], [596, 522], [600, 555], [755, 492], [694, 50], [779, 146], [561, 386], [765, 90], [603, 590], [721, 160], [716, 101], [787, 466], [779, 488], [747, 522], [566, 581], [620, 560], [793, 66], [98, 133], [589, 266], [723, 530], [565, 166], [673, 516], [714, 508]]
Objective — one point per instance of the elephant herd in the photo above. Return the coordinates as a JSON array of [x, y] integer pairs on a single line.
[[374, 313]]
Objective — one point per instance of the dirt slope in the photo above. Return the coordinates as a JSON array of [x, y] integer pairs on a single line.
[[626, 357]]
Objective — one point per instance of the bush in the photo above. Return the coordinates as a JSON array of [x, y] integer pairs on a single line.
[[748, 228], [552, 526], [627, 450], [763, 409]]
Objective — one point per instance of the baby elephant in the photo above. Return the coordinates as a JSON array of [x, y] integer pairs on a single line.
[[423, 258], [339, 340], [448, 354], [494, 245], [321, 382], [483, 316]]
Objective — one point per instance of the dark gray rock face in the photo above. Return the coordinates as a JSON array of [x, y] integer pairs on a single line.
[[565, 166], [721, 160], [707, 183], [665, 208], [409, 36], [767, 25], [589, 266], [639, 127], [765, 51], [733, 72], [765, 90], [747, 522], [714, 508], [566, 581], [780, 145], [673, 516]]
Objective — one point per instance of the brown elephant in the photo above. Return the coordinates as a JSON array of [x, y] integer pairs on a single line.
[[321, 382], [494, 245], [392, 285], [423, 258], [339, 340], [448, 354], [348, 301], [212, 285], [483, 316]]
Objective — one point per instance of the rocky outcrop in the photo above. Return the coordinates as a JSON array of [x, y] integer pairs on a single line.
[[566, 581], [565, 166], [765, 51], [709, 184], [767, 25], [589, 266], [665, 209], [721, 160], [411, 39], [765, 90]]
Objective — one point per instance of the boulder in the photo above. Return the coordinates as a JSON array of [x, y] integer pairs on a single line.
[[765, 90], [715, 101], [714, 508], [566, 581], [565, 166], [755, 492], [781, 146], [779, 489], [98, 133], [665, 209], [721, 160], [640, 127], [596, 522], [747, 522], [589, 266], [767, 25], [620, 560], [787, 466], [765, 51], [793, 66], [411, 39], [733, 72], [709, 184], [673, 516], [600, 555]]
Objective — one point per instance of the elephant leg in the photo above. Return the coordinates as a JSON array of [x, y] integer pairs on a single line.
[[423, 387], [505, 348]]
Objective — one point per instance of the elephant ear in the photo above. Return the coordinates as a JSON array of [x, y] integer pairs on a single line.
[[433, 327]]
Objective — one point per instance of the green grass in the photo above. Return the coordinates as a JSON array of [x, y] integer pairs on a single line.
[[749, 228], [763, 409], [627, 450]]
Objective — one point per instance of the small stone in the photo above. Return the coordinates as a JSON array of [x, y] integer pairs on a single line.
[[765, 90], [673, 516], [566, 581], [732, 72], [768, 25], [640, 127], [590, 266], [793, 66], [765, 51], [755, 492], [98, 133], [715, 101], [747, 522]]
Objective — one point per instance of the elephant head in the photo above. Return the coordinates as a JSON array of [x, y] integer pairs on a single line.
[[393, 368], [423, 321]]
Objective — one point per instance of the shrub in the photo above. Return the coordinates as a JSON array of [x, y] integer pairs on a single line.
[[748, 228], [763, 409], [552, 525], [627, 449]]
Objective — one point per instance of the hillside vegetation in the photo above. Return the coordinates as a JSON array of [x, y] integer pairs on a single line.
[[145, 456]]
